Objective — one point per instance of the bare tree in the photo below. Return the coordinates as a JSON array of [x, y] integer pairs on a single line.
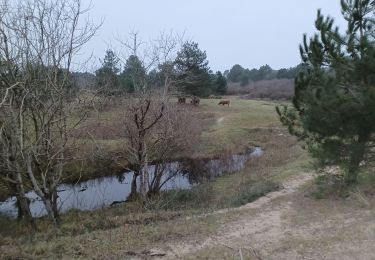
[[141, 115], [38, 42], [158, 54], [156, 131], [151, 123], [175, 134], [168, 45]]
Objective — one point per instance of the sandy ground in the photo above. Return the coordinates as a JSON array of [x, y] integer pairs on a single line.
[[285, 225]]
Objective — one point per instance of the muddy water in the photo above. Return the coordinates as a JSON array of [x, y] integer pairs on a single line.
[[102, 192]]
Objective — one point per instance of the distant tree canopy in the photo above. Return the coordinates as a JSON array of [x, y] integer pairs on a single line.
[[193, 72], [291, 73], [238, 74], [334, 102]]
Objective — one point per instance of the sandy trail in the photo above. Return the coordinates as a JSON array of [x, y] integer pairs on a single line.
[[263, 228]]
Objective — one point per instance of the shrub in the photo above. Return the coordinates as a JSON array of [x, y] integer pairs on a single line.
[[266, 89]]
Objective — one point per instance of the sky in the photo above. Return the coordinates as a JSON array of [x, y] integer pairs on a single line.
[[246, 32]]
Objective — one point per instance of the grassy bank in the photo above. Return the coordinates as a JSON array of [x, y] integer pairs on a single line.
[[226, 130], [133, 227]]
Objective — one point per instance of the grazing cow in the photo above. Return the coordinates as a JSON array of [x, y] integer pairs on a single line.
[[224, 102], [195, 101], [181, 100]]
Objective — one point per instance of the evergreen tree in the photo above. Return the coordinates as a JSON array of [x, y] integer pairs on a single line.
[[220, 84], [283, 74], [334, 103], [235, 73], [253, 74], [245, 78], [134, 75], [154, 79], [264, 72], [107, 74], [193, 76]]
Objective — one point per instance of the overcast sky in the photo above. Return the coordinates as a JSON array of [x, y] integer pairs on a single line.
[[246, 32]]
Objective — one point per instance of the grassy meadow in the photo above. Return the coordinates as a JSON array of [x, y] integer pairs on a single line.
[[246, 123], [214, 220]]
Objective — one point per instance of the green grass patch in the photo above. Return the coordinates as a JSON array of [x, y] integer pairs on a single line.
[[253, 192]]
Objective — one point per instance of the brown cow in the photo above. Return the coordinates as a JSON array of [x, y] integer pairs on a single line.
[[224, 102], [195, 101], [181, 100]]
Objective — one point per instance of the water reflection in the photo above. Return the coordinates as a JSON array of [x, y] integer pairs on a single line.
[[102, 192]]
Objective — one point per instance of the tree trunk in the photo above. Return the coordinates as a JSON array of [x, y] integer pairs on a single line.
[[155, 188], [55, 206], [142, 183], [133, 189], [144, 172], [356, 157], [46, 196], [24, 212], [23, 202], [51, 213]]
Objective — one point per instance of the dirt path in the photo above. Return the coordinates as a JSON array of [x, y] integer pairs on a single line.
[[262, 228]]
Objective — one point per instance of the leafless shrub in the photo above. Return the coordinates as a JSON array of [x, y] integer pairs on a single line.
[[265, 89]]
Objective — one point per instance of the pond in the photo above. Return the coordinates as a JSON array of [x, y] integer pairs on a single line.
[[102, 192]]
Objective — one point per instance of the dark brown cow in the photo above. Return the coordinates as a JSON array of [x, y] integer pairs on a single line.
[[195, 101], [181, 100], [224, 102]]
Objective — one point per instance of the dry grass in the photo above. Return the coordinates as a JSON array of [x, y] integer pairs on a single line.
[[129, 229], [301, 228], [294, 226]]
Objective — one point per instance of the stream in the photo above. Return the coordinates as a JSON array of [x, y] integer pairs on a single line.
[[104, 191]]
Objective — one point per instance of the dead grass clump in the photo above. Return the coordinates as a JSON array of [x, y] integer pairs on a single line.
[[98, 132]]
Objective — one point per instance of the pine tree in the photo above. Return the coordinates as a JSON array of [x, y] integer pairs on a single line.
[[133, 78], [235, 73], [193, 73], [334, 102], [220, 84], [107, 74]]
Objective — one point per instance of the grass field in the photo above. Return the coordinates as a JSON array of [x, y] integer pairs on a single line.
[[246, 123], [212, 220], [225, 130]]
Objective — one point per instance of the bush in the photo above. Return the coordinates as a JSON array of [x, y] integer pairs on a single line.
[[278, 89]]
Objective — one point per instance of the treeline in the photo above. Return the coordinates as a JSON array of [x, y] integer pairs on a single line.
[[189, 74], [238, 74]]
